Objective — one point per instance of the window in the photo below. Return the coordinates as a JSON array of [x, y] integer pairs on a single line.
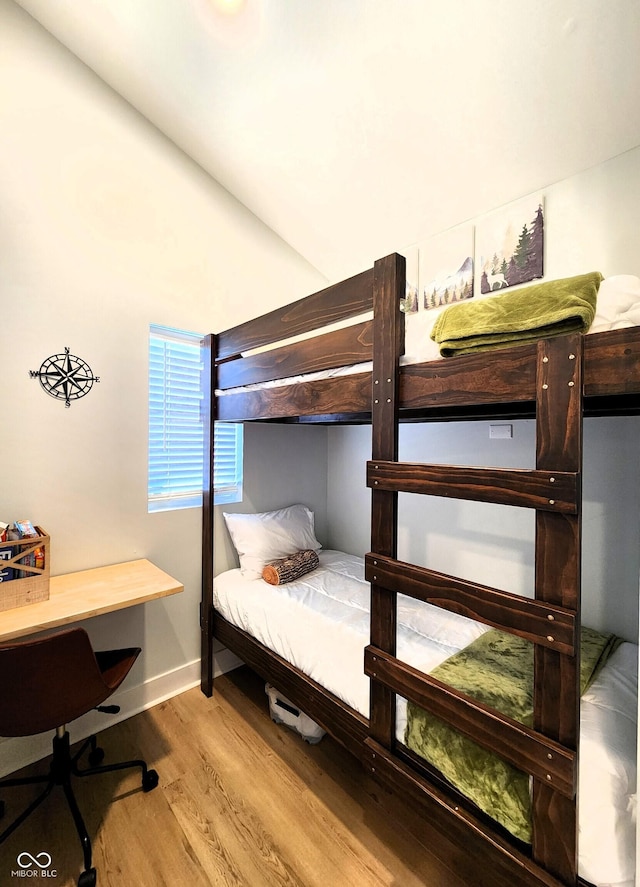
[[227, 476], [176, 430]]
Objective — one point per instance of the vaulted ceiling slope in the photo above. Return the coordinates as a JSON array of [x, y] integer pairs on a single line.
[[356, 127]]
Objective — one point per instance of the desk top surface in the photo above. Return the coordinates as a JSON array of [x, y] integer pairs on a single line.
[[88, 593]]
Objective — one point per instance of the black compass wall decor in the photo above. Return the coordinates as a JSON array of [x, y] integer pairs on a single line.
[[65, 376]]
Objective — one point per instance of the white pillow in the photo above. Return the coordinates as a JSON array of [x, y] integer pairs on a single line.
[[261, 538]]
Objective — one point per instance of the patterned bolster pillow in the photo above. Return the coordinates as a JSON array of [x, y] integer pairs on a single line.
[[291, 567]]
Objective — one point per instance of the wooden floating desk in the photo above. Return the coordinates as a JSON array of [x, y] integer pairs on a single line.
[[88, 593]]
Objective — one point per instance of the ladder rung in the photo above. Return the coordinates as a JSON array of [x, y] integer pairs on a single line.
[[520, 745], [546, 624], [556, 491]]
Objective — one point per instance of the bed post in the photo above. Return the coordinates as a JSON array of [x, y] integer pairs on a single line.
[[388, 337], [557, 581], [206, 604]]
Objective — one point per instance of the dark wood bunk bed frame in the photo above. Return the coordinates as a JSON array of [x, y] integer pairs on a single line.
[[557, 380]]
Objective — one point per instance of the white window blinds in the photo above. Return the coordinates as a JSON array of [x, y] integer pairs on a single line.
[[176, 430], [227, 475]]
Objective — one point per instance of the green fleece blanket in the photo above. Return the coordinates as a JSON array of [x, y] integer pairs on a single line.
[[496, 669], [554, 308]]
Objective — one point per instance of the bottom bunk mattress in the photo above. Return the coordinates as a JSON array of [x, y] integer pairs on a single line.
[[320, 624]]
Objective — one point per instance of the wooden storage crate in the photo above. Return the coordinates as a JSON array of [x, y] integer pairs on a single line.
[[34, 586]]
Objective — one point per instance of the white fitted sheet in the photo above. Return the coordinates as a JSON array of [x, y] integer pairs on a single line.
[[320, 624]]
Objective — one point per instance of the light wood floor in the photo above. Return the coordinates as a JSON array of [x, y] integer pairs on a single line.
[[241, 801]]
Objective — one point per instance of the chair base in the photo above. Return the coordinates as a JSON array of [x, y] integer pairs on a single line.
[[63, 767]]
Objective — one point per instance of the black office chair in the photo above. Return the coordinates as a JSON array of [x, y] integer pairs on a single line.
[[44, 684]]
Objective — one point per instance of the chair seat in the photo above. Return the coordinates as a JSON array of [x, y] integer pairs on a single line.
[[60, 679], [116, 664]]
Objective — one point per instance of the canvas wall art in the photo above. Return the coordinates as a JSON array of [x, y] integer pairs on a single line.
[[446, 267], [510, 245]]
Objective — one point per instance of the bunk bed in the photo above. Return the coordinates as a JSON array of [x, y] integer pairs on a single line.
[[556, 380]]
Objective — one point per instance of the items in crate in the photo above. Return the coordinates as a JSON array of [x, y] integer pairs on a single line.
[[283, 711], [25, 529], [6, 573], [24, 565], [6, 554], [33, 557]]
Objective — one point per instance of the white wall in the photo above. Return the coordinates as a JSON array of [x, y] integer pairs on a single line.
[[106, 227], [592, 221], [283, 465]]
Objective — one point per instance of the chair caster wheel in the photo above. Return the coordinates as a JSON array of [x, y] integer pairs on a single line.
[[149, 780], [87, 878], [96, 756]]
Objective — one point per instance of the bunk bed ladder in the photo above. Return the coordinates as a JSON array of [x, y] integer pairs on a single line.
[[548, 750]]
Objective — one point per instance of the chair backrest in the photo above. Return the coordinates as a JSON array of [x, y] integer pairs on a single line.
[[47, 682]]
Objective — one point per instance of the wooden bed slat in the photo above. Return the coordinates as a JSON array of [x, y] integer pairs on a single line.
[[611, 369], [340, 348], [345, 724], [536, 621], [612, 362], [499, 863], [548, 490], [471, 379], [348, 394], [335, 303], [520, 745]]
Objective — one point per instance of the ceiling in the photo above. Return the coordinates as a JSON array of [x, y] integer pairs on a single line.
[[353, 128]]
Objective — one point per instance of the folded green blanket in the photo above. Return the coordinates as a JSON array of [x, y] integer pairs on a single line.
[[496, 669], [554, 308]]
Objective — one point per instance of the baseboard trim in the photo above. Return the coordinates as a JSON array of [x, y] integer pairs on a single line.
[[18, 752]]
